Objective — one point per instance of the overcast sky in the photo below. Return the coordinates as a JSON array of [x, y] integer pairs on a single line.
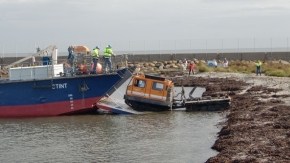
[[90, 22]]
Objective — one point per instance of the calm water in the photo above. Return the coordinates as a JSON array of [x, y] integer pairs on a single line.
[[176, 136], [160, 137]]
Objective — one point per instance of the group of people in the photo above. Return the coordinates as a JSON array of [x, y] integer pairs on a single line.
[[108, 53], [225, 64]]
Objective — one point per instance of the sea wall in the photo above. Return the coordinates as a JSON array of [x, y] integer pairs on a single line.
[[200, 56], [210, 56]]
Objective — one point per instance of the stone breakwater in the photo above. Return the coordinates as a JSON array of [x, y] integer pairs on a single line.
[[168, 67], [159, 67], [257, 125]]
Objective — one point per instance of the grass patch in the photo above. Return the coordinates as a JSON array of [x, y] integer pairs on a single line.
[[278, 73], [201, 67]]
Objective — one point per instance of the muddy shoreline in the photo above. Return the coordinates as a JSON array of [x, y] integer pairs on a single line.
[[257, 125]]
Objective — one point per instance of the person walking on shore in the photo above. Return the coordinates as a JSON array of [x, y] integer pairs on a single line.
[[258, 66], [185, 63], [108, 53], [191, 67], [95, 57], [226, 62]]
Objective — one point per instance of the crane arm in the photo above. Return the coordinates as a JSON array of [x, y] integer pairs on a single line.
[[44, 52]]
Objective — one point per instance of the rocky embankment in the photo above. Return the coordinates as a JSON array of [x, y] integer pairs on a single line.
[[257, 125], [167, 67], [160, 66]]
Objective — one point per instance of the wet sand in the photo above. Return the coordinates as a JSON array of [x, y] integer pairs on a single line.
[[257, 125]]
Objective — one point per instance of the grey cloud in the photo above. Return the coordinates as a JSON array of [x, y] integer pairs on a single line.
[[90, 21]]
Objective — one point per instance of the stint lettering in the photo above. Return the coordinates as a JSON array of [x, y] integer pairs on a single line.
[[59, 86]]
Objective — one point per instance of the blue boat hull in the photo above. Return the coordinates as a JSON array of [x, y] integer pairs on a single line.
[[57, 96]]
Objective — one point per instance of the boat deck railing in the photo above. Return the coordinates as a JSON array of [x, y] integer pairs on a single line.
[[79, 66]]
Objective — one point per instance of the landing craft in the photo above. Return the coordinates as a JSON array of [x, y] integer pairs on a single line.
[[50, 88]]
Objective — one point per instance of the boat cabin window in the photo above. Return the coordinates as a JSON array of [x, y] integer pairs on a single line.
[[157, 86], [140, 83]]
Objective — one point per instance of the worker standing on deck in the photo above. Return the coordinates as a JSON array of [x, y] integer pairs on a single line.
[[95, 57], [70, 50], [258, 66], [108, 53], [71, 56]]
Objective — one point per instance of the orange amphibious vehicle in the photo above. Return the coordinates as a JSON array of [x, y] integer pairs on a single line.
[[153, 93], [150, 93]]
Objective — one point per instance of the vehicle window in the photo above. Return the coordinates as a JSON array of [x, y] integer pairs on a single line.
[[140, 83], [157, 86], [136, 83]]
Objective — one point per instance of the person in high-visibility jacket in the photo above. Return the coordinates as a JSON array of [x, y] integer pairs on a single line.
[[258, 65], [108, 53], [95, 57]]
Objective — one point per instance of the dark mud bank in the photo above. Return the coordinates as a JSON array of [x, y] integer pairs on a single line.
[[257, 126]]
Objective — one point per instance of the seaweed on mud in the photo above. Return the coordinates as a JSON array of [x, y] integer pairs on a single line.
[[263, 89], [258, 123], [276, 101], [280, 96]]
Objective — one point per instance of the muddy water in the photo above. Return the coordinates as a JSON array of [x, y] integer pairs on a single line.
[[176, 136], [161, 137]]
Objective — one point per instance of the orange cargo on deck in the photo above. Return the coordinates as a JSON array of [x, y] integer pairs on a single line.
[[81, 49]]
